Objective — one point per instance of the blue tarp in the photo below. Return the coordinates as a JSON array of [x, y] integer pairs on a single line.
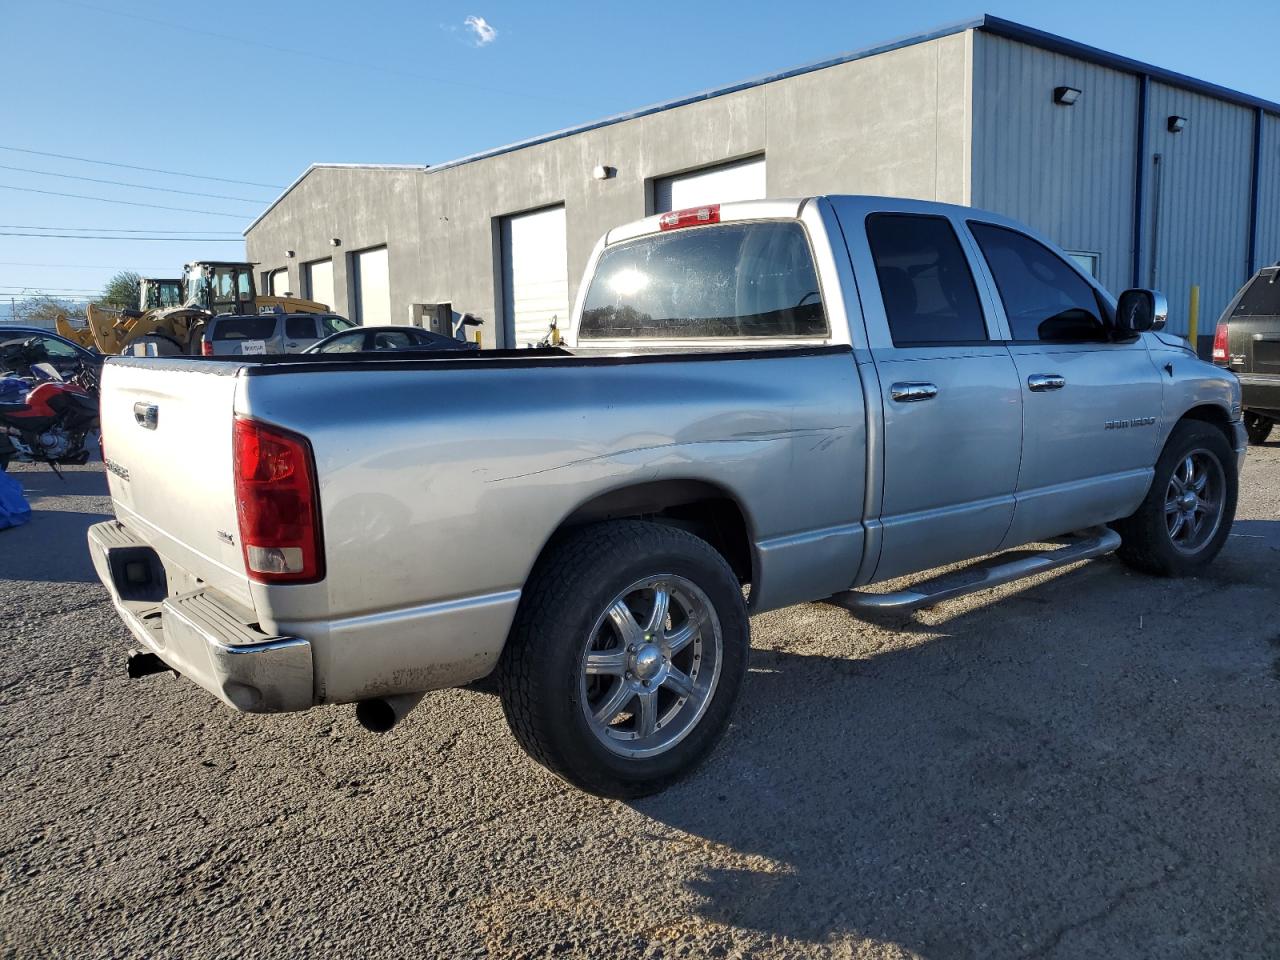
[[14, 509]]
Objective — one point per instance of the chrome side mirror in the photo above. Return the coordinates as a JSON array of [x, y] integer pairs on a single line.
[[1140, 310]]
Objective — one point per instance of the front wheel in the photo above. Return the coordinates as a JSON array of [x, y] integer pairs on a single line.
[[626, 657], [1258, 428], [1187, 514]]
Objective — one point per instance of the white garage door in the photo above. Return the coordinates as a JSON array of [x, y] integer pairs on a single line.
[[279, 282], [320, 282], [743, 180], [371, 283], [535, 275]]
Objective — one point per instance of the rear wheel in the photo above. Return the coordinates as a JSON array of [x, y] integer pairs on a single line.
[[626, 657], [1186, 516], [1258, 428]]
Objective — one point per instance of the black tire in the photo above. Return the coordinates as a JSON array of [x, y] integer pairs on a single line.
[[541, 675], [1258, 428], [1147, 544]]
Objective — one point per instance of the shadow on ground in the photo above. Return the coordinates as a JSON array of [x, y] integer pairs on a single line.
[[1050, 771]]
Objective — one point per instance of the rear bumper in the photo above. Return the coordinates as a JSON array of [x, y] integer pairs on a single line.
[[1260, 392], [205, 636]]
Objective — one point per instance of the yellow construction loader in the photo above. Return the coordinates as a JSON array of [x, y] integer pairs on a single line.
[[208, 288]]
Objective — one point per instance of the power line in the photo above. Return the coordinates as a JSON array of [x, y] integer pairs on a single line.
[[28, 226], [134, 186], [90, 236], [127, 203], [130, 166]]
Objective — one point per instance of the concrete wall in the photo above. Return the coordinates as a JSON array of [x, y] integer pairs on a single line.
[[893, 123], [1066, 171], [1268, 248], [1200, 232]]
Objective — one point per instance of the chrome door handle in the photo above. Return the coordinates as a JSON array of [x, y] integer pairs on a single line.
[[913, 392], [147, 415], [1040, 382]]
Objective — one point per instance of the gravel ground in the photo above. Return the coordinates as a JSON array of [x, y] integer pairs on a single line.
[[1083, 765]]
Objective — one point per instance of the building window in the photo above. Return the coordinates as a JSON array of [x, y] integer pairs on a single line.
[[1088, 262]]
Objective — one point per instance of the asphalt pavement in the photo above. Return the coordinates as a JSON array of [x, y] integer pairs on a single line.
[[1081, 765]]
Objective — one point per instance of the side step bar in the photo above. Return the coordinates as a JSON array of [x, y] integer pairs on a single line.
[[1096, 542]]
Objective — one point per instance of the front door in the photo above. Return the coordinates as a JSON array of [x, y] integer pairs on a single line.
[[1091, 407], [952, 408]]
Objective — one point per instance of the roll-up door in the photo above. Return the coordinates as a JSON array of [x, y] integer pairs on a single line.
[[535, 275], [743, 180], [371, 284], [320, 282]]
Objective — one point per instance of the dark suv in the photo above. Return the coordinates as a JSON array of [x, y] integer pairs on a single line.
[[1247, 342]]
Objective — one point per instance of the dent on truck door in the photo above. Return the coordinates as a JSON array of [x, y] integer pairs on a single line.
[[952, 407], [1091, 407]]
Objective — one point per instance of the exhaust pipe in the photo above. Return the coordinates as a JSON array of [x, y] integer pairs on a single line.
[[382, 713]]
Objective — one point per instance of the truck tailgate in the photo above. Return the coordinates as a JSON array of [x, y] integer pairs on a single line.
[[166, 433]]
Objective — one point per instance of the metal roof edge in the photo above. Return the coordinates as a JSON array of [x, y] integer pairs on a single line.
[[327, 166], [1054, 43]]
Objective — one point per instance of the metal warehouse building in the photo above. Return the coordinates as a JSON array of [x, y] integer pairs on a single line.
[[1148, 177]]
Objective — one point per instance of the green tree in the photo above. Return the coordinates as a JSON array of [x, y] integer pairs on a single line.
[[123, 290], [43, 311]]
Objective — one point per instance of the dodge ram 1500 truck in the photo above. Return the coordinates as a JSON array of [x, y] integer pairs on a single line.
[[757, 404]]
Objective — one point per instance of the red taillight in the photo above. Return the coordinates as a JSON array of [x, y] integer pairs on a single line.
[[1220, 344], [277, 505], [206, 348], [692, 217]]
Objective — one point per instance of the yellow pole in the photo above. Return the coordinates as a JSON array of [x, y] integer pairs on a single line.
[[1194, 317]]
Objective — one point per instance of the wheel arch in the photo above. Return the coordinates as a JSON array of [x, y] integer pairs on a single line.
[[1212, 414], [705, 509]]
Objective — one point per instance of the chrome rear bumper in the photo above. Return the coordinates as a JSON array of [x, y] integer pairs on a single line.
[[203, 635]]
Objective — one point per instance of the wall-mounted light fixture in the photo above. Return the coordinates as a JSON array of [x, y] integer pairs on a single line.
[[1177, 124], [1065, 96], [289, 254], [603, 172], [335, 242]]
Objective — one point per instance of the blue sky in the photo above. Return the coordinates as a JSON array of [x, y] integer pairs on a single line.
[[254, 91]]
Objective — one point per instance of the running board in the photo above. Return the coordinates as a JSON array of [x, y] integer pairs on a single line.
[[1097, 542]]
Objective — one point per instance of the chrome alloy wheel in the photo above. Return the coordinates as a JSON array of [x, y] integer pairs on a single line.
[[1193, 501], [650, 666]]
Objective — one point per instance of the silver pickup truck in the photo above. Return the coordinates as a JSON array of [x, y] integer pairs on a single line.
[[758, 404]]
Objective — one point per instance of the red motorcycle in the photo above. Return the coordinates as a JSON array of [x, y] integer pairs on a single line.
[[51, 423]]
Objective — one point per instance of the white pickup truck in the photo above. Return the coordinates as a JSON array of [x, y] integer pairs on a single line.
[[759, 404]]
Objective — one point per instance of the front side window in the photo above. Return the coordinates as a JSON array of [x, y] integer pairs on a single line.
[[728, 280], [1044, 298], [925, 282], [331, 323]]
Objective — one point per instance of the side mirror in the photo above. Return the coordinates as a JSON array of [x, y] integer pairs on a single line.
[[1140, 310]]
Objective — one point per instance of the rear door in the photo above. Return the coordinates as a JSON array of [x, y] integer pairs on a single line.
[[952, 413], [1254, 326], [167, 438], [1091, 407], [243, 336]]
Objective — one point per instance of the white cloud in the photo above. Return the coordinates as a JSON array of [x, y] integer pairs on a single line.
[[483, 30]]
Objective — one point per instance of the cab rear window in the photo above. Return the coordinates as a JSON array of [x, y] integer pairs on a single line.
[[729, 280]]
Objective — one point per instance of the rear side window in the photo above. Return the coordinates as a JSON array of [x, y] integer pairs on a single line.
[[1044, 298], [925, 282], [244, 328], [300, 328], [392, 340], [730, 280], [1262, 299]]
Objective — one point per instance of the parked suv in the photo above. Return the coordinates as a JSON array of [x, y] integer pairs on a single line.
[[262, 333], [1247, 342]]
